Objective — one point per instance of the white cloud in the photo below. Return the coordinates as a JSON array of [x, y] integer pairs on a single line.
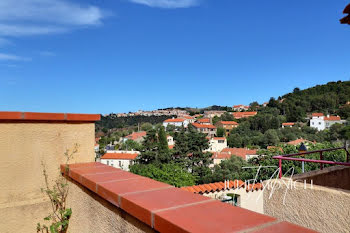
[[168, 3], [22, 30], [40, 17], [11, 57]]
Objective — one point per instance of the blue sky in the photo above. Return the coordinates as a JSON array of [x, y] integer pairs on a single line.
[[107, 56]]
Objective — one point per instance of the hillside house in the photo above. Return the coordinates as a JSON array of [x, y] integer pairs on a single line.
[[170, 140], [204, 121], [217, 144], [240, 107], [209, 130], [120, 159], [211, 114], [288, 125], [227, 125], [177, 122], [239, 115], [226, 153], [321, 122], [136, 136]]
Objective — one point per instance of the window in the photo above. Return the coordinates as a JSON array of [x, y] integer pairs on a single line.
[[221, 141], [120, 163], [107, 162], [319, 123]]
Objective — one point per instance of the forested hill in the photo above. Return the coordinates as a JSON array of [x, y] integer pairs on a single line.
[[329, 99]]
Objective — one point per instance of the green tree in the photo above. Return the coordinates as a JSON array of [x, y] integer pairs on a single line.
[[146, 126], [271, 137], [130, 145], [168, 173], [231, 169], [188, 152], [220, 132]]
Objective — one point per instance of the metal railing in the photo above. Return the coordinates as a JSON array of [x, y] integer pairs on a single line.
[[320, 161]]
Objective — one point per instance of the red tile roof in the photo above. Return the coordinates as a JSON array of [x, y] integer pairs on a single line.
[[204, 120], [317, 114], [332, 118], [127, 156], [298, 141], [203, 126], [136, 135], [240, 106], [288, 123], [219, 186], [243, 114], [48, 117], [228, 122], [175, 120], [219, 138], [228, 152], [188, 117]]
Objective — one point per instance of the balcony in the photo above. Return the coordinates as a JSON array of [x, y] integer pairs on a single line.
[[102, 198]]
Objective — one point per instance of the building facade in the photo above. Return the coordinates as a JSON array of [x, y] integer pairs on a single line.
[[321, 122], [177, 122], [120, 159]]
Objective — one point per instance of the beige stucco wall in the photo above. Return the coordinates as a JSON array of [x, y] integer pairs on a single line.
[[22, 148], [248, 200], [320, 208], [91, 214]]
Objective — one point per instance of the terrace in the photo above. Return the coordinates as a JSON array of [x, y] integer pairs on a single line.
[[102, 198]]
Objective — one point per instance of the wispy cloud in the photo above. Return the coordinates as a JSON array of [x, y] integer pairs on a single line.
[[168, 3], [40, 17], [4, 42], [47, 54], [21, 18], [11, 57]]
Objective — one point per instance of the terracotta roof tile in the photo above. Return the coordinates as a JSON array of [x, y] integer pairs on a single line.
[[136, 135], [204, 120], [332, 118], [288, 123], [240, 152], [203, 126], [175, 120], [213, 187], [228, 122], [126, 156]]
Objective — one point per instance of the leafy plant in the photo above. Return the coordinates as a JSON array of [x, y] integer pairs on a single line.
[[60, 215]]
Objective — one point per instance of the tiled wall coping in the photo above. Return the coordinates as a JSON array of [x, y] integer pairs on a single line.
[[47, 117], [169, 209]]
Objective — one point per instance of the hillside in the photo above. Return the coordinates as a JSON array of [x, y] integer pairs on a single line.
[[330, 98]]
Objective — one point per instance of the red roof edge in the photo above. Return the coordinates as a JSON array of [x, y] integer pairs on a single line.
[[168, 209], [47, 117]]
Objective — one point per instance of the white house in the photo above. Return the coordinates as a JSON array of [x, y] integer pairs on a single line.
[[321, 122], [217, 144], [170, 141], [119, 159], [177, 122], [240, 108]]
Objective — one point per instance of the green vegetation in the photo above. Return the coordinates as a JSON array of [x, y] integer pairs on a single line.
[[169, 173], [60, 215], [188, 164], [328, 98]]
